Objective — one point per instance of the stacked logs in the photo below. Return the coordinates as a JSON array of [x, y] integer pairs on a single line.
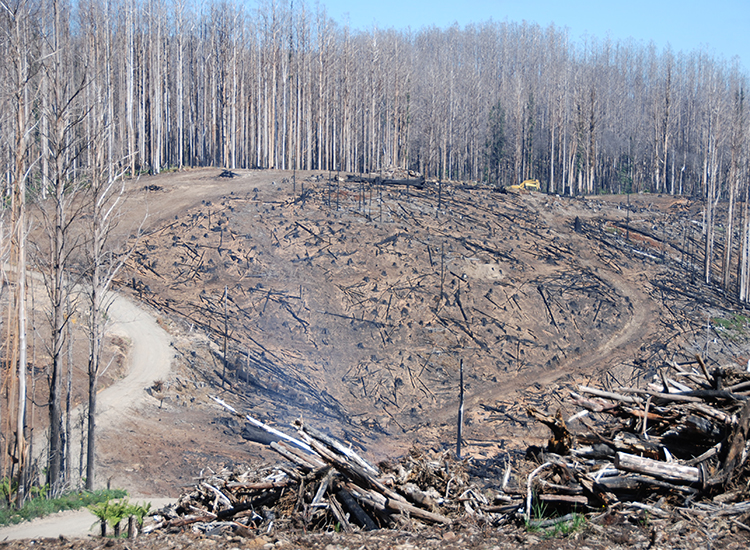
[[325, 485], [681, 440]]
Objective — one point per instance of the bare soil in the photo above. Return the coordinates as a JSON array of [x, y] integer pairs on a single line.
[[353, 307], [613, 533]]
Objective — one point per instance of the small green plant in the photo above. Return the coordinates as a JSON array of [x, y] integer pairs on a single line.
[[40, 492], [560, 527], [139, 511], [538, 511], [567, 528], [538, 508], [552, 527], [8, 488], [104, 512], [112, 513]]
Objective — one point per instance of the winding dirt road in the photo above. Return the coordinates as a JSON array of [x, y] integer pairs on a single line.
[[149, 360]]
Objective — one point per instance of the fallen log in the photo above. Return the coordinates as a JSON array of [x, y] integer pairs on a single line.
[[260, 486], [413, 511], [350, 503], [610, 395], [667, 471], [581, 500], [339, 515], [544, 523], [337, 446]]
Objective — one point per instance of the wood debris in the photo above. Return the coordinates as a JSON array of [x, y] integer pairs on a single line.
[[326, 485], [681, 443], [682, 440]]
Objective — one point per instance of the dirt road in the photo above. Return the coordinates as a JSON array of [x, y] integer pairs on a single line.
[[69, 524], [149, 359]]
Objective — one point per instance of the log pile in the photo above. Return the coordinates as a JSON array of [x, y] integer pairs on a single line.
[[325, 485], [683, 440], [678, 444]]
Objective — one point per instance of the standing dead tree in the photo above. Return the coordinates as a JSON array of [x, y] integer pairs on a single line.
[[18, 21], [61, 117], [103, 264]]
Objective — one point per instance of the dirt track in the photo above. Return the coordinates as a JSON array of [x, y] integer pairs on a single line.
[[149, 359]]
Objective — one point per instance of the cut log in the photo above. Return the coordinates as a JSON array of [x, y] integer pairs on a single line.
[[609, 395], [620, 483], [350, 503], [353, 471], [339, 515], [378, 502], [545, 523], [580, 500], [591, 404], [337, 446], [263, 426], [667, 471], [413, 511], [663, 396], [260, 486], [504, 509], [705, 371], [297, 461]]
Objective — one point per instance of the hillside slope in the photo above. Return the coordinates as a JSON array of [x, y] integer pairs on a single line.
[[354, 305]]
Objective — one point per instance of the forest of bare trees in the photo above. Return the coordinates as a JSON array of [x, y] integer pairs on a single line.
[[282, 86], [98, 90]]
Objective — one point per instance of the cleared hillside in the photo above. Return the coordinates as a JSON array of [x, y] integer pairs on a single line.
[[353, 306]]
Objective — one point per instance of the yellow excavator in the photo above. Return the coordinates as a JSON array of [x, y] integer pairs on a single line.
[[526, 185]]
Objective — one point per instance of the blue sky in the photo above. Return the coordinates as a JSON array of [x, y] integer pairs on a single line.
[[720, 28]]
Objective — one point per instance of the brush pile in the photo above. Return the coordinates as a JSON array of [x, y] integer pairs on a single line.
[[325, 485], [680, 444], [682, 441]]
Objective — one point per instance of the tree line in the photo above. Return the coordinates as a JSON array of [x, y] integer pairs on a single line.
[[99, 90], [280, 86]]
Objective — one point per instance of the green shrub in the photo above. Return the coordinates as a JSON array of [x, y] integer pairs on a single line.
[[113, 512], [139, 511]]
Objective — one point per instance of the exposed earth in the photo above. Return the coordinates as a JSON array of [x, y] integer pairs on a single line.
[[353, 306]]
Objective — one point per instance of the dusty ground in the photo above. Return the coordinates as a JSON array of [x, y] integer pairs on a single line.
[[354, 306], [610, 532]]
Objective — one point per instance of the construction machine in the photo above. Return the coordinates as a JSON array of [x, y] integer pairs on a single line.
[[527, 185]]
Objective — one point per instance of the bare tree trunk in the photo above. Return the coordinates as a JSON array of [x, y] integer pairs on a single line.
[[69, 393], [736, 146], [20, 52], [744, 260], [91, 425]]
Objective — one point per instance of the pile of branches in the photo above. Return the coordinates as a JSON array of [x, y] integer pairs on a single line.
[[325, 485], [682, 441]]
